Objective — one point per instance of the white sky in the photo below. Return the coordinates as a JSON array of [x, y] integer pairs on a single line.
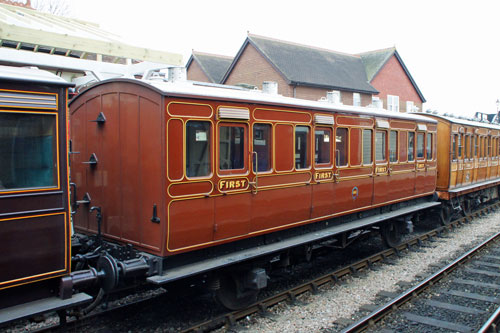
[[451, 48]]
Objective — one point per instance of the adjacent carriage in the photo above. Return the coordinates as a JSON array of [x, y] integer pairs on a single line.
[[35, 230], [468, 168]]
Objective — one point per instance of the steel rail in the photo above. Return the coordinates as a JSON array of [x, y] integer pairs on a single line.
[[369, 320], [491, 325], [231, 318]]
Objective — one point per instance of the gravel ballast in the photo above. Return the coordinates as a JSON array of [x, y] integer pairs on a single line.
[[335, 305]]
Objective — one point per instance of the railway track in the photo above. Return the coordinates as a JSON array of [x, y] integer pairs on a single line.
[[230, 318], [459, 297]]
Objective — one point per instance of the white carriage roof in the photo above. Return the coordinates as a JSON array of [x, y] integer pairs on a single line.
[[30, 74], [225, 92], [464, 121]]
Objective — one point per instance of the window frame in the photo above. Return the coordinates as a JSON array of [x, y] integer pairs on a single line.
[[56, 158], [429, 145], [393, 103], [347, 148], [384, 160], [270, 146], [365, 130], [422, 135], [307, 146], [245, 169], [330, 146], [210, 153], [396, 148], [411, 133]]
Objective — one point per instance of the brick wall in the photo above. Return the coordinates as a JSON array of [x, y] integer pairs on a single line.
[[253, 68], [195, 73], [392, 80]]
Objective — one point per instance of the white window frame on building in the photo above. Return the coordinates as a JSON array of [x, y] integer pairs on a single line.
[[393, 103], [409, 106], [356, 99]]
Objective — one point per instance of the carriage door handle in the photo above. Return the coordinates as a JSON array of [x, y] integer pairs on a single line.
[[255, 184]]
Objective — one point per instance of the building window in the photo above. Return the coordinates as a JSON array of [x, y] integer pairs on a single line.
[[231, 147], [198, 148], [409, 106], [322, 142], [302, 147], [367, 146], [393, 103], [28, 147], [356, 99], [393, 146], [341, 146], [262, 146]]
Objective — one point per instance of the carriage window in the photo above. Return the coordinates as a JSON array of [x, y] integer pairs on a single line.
[[420, 145], [393, 146], [476, 145], [198, 148], [428, 148], [459, 145], [467, 146], [231, 147], [302, 147], [380, 140], [481, 147], [454, 147], [322, 143], [28, 150], [341, 146], [262, 146], [411, 146], [367, 146]]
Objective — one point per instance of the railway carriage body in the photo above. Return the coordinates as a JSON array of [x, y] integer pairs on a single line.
[[468, 170], [182, 167], [35, 226]]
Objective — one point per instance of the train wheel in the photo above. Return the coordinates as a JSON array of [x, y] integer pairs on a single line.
[[230, 295], [445, 215], [391, 233], [467, 207]]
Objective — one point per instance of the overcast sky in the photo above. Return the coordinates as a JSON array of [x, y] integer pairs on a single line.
[[451, 48]]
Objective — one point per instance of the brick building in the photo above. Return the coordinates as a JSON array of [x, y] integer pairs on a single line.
[[308, 72], [207, 67], [386, 72]]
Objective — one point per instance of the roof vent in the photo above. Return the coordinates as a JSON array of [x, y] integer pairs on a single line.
[[177, 74], [333, 97], [270, 87]]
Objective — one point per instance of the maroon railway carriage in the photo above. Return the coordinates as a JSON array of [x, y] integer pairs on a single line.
[[176, 168], [35, 229]]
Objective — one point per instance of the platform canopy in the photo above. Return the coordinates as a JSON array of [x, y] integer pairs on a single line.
[[61, 44]]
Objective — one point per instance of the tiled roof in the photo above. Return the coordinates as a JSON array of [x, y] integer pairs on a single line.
[[305, 65], [375, 60], [213, 65]]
